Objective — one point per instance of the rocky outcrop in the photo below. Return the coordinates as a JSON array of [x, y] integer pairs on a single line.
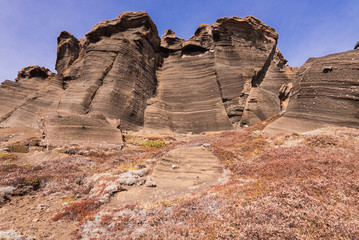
[[271, 96], [68, 50], [213, 81], [36, 90], [117, 72], [326, 92], [33, 72], [93, 130], [226, 75]]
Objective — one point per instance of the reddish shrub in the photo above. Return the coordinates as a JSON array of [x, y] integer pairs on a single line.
[[79, 211]]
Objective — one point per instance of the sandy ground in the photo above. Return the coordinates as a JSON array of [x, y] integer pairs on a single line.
[[180, 172], [31, 216]]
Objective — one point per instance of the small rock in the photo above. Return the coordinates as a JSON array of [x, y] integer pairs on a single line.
[[112, 189], [174, 166], [42, 206], [92, 196], [206, 145], [139, 173], [7, 189], [5, 149], [127, 181], [141, 181], [150, 183], [35, 220], [83, 152], [151, 160]]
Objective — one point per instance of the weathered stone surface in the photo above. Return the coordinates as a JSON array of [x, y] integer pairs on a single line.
[[271, 95], [36, 89], [170, 42], [204, 82], [33, 72], [92, 130], [68, 50], [226, 75], [321, 98], [118, 70], [356, 45]]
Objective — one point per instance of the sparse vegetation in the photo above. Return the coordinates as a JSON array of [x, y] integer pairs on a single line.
[[18, 148], [300, 191], [7, 157], [321, 141], [79, 211], [286, 187], [155, 143]]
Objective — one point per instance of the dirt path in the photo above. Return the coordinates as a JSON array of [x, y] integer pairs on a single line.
[[180, 172]]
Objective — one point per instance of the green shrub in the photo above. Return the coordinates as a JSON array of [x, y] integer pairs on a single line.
[[18, 148], [155, 143]]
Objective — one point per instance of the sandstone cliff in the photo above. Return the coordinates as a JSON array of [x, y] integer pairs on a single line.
[[226, 75], [213, 81], [326, 92]]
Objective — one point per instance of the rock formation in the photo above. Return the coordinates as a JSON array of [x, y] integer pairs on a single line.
[[68, 49], [36, 90], [89, 130], [326, 92], [226, 75], [205, 82]]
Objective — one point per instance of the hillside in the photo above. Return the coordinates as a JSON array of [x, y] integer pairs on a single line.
[[214, 137]]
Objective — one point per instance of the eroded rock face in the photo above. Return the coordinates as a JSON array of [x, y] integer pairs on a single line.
[[226, 75], [216, 79], [86, 130], [325, 92], [33, 72], [68, 50], [36, 90], [117, 73]]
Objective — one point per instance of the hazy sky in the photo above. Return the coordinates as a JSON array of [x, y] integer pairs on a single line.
[[307, 28]]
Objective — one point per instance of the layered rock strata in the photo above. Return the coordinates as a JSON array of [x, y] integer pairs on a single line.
[[35, 91], [116, 73], [93, 130], [326, 92], [226, 75], [218, 78]]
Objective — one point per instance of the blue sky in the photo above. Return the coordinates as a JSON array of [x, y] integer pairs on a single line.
[[307, 28]]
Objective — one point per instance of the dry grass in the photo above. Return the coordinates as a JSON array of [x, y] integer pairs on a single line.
[[18, 148], [305, 191], [79, 211], [285, 187], [7, 157]]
